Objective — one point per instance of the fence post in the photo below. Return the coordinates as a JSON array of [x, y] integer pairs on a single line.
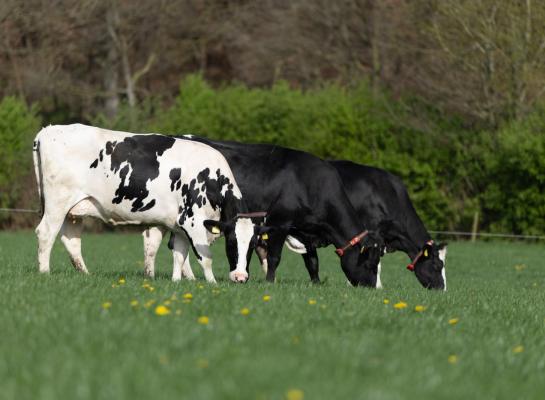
[[475, 227]]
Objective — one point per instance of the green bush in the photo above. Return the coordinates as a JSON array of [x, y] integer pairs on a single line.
[[18, 126], [330, 121]]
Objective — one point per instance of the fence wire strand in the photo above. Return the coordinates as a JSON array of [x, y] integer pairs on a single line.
[[447, 233]]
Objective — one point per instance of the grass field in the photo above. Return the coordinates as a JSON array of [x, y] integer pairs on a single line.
[[58, 340]]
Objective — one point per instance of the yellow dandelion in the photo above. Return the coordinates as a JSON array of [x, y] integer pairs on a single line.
[[245, 311], [386, 301], [216, 291], [400, 305], [203, 320], [295, 394], [323, 306], [163, 359], [452, 359], [202, 363], [520, 267], [121, 281], [106, 305], [178, 312], [167, 302], [200, 286], [295, 340], [518, 349], [266, 298], [114, 285], [151, 288], [145, 285], [312, 302], [453, 321], [149, 303], [134, 303], [419, 308], [187, 296], [186, 301], [162, 310]]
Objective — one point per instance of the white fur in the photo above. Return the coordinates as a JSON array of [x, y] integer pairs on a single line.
[[295, 245], [379, 283], [443, 257], [244, 230]]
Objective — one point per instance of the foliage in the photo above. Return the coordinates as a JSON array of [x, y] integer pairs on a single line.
[[18, 126]]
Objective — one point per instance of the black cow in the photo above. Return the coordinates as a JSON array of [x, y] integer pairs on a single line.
[[303, 196], [382, 202]]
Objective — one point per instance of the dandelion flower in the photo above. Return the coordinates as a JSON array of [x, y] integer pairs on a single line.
[[202, 363], [400, 305], [162, 310], [518, 349], [245, 311], [114, 285], [266, 298], [419, 308], [121, 281], [323, 306], [453, 321], [134, 303], [178, 312], [312, 302], [520, 267], [149, 303], [201, 286], [106, 305], [386, 301], [187, 296], [203, 320], [452, 359], [186, 301], [167, 302], [295, 394]]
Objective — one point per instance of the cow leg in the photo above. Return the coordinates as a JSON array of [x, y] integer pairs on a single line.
[[71, 238], [275, 244], [262, 256], [152, 240], [311, 262], [206, 263], [180, 252], [47, 231]]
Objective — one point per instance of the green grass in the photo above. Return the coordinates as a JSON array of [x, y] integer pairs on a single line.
[[58, 342]]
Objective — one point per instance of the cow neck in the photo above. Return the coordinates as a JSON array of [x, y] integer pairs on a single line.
[[344, 226]]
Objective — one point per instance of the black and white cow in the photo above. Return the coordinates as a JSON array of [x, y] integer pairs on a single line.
[[144, 179], [302, 195], [382, 202]]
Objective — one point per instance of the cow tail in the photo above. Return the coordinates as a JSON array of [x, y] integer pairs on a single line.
[[36, 155]]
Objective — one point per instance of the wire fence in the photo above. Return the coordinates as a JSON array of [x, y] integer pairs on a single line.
[[440, 233]]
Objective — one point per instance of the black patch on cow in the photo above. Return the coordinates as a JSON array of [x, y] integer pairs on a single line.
[[175, 179], [204, 189], [101, 155], [140, 155], [94, 164]]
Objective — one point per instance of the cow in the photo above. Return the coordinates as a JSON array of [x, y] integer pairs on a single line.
[[383, 204], [140, 179], [302, 195], [381, 200]]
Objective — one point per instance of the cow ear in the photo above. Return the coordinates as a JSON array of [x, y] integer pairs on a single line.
[[215, 227]]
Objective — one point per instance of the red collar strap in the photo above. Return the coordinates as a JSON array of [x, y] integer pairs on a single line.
[[355, 240], [410, 267]]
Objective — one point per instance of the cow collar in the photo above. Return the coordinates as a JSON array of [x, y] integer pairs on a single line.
[[257, 214], [355, 240], [410, 267]]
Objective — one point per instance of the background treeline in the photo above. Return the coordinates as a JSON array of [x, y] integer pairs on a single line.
[[447, 94]]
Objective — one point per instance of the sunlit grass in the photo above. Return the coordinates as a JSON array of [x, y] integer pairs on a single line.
[[113, 334]]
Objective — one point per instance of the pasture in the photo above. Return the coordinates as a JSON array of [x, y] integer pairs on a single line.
[[99, 337]]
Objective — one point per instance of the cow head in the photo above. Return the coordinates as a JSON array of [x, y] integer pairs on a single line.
[[239, 241], [361, 263], [429, 266]]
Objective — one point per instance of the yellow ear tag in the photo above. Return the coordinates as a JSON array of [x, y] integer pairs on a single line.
[[264, 236], [425, 252], [216, 230]]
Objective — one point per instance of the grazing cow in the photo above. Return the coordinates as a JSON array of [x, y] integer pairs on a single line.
[[143, 179], [382, 202], [303, 196]]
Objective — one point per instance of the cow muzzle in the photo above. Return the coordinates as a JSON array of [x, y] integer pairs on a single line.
[[238, 276]]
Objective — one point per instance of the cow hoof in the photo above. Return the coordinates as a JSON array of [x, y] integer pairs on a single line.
[[238, 277]]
